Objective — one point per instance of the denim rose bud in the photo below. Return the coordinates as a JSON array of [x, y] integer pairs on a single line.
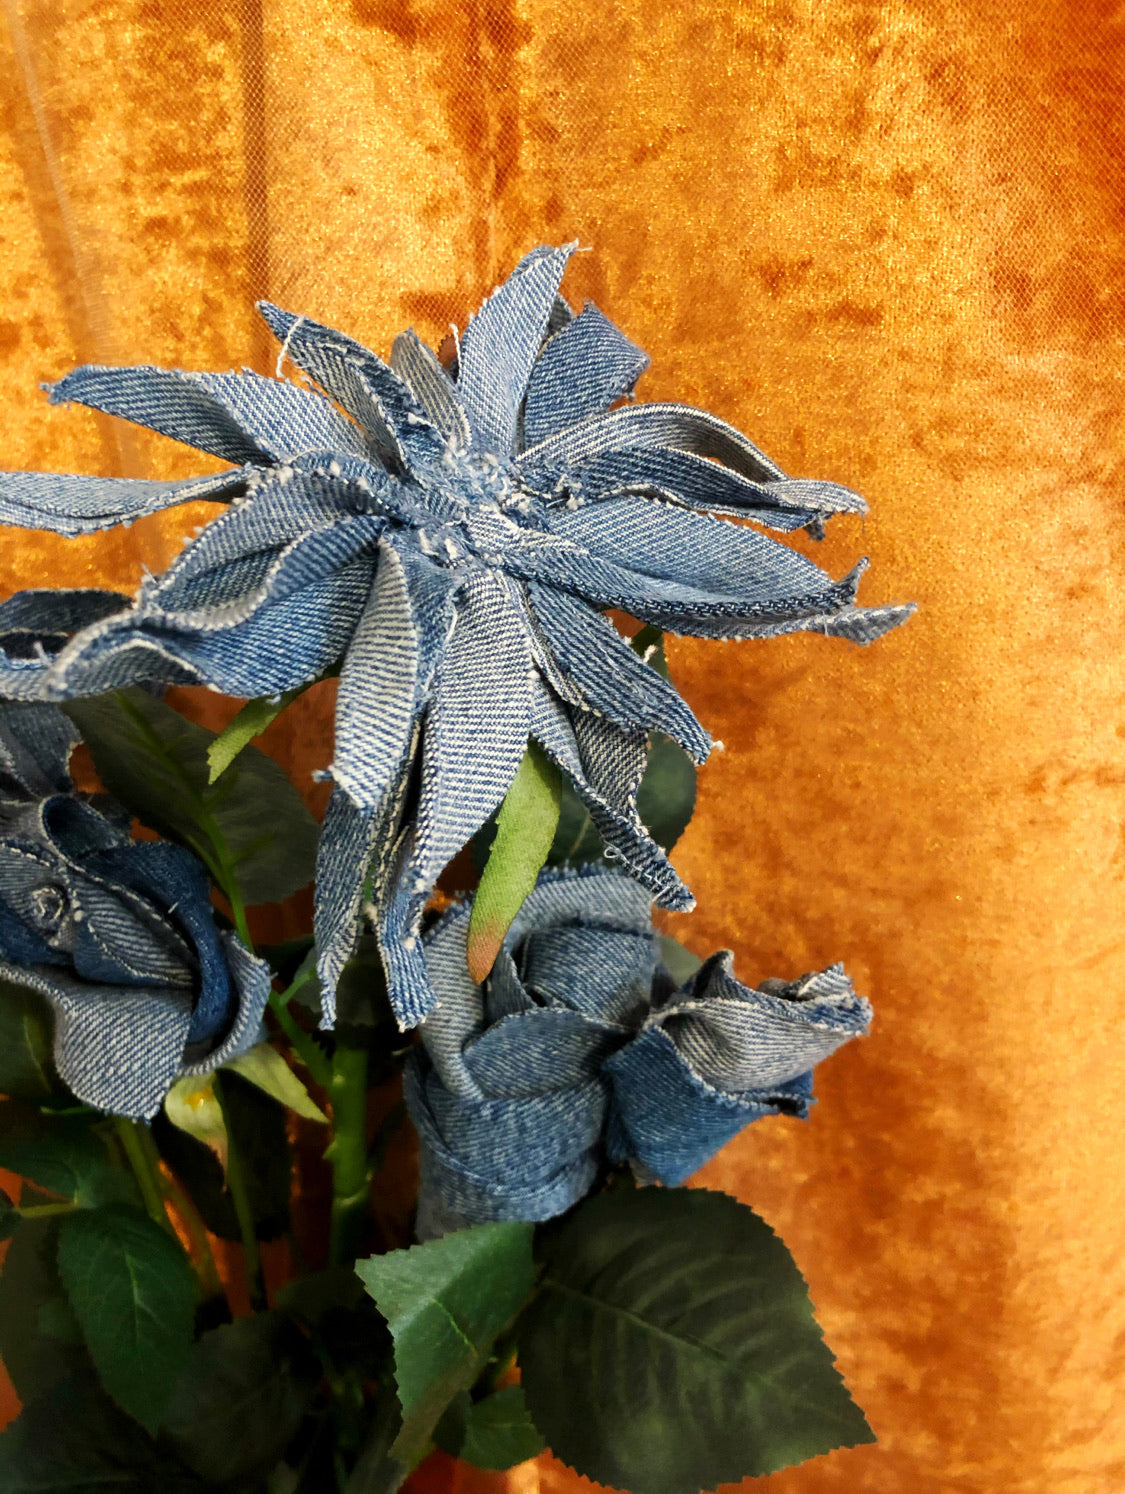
[[118, 935], [579, 1050]]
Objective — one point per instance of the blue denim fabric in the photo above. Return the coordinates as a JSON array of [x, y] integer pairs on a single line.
[[452, 538], [579, 1051], [117, 934]]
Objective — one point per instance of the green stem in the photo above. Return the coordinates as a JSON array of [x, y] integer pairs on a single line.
[[147, 1176], [205, 1266], [347, 1090], [304, 1045], [236, 1183], [46, 1211]]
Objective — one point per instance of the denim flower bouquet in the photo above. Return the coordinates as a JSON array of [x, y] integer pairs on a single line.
[[445, 538]]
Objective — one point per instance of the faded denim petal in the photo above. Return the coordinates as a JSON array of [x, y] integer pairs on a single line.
[[118, 935], [445, 538], [36, 626], [577, 1053]]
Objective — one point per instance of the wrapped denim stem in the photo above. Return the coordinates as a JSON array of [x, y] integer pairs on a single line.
[[118, 935], [579, 1052], [454, 538]]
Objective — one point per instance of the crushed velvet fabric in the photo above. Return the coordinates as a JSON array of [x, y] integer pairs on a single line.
[[888, 238]]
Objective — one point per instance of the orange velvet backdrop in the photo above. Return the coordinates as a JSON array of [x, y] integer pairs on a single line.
[[886, 239]]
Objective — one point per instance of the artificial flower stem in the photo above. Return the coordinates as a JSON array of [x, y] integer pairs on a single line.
[[47, 1211], [307, 1049], [240, 1198], [128, 1133], [347, 1152]]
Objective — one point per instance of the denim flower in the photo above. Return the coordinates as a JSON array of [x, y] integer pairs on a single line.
[[454, 539], [117, 934], [579, 1050]]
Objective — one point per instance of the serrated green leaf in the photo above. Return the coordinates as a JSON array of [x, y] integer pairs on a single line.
[[525, 830], [692, 1357], [27, 1071], [250, 722], [75, 1441], [678, 960], [133, 1293], [264, 1067], [39, 1341], [445, 1302], [241, 1398], [496, 1432], [155, 762], [63, 1154]]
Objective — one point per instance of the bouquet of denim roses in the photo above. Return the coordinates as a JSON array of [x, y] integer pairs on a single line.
[[445, 538]]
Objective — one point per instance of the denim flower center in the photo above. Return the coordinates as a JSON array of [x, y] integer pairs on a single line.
[[47, 906]]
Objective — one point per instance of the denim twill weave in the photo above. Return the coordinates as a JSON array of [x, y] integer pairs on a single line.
[[579, 1052], [117, 934], [450, 538]]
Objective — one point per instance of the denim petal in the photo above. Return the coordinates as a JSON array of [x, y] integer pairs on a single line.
[[782, 503], [35, 626], [500, 345], [374, 396], [432, 387], [36, 742], [677, 427], [589, 756], [611, 676], [582, 369], [73, 505], [242, 417]]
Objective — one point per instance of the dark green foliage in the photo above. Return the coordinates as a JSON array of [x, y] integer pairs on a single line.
[[445, 1302], [258, 1127], [75, 1441], [672, 1346], [252, 823], [133, 1293], [496, 1432], [64, 1154], [40, 1340], [26, 1069], [241, 1399]]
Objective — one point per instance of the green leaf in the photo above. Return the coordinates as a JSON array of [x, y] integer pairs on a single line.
[[40, 1342], [259, 1129], [691, 1354], [241, 1398], [193, 1107], [679, 961], [445, 1302], [525, 830], [26, 1069], [496, 1433], [250, 722], [155, 762], [63, 1154], [76, 1441], [133, 1293], [264, 1067]]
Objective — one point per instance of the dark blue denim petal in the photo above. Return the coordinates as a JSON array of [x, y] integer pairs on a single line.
[[395, 424], [35, 626], [676, 427], [610, 675], [73, 505], [35, 746], [611, 804], [785, 503], [242, 417], [582, 369], [500, 345], [432, 387], [670, 1121]]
